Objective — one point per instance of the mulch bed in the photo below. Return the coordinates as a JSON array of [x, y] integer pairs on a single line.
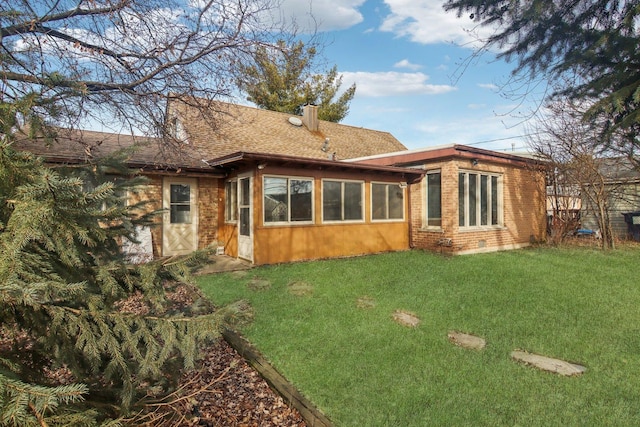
[[224, 391]]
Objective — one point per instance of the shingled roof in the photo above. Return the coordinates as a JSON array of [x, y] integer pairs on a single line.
[[217, 131], [82, 146], [230, 128]]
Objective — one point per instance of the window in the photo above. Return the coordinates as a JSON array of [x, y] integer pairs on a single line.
[[180, 204], [434, 200], [177, 130], [342, 201], [479, 200], [387, 202], [231, 201], [287, 199]]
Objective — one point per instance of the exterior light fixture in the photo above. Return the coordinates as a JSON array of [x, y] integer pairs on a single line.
[[262, 166], [474, 162]]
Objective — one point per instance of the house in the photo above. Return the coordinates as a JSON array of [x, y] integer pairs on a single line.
[[617, 188], [472, 200], [269, 187]]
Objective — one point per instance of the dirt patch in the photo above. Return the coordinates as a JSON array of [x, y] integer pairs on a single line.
[[365, 302], [257, 284], [406, 318], [300, 289], [466, 340]]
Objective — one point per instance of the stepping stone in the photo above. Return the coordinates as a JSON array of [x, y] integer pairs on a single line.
[[467, 340], [548, 364]]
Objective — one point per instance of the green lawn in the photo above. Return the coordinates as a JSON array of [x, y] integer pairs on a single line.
[[363, 369]]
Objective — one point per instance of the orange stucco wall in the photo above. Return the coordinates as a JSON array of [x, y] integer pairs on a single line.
[[523, 220], [294, 242]]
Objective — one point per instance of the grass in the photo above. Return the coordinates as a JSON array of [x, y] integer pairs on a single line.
[[328, 327]]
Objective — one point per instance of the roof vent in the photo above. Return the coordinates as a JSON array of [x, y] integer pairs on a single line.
[[295, 121]]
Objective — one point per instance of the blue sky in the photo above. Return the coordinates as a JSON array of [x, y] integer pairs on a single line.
[[405, 58]]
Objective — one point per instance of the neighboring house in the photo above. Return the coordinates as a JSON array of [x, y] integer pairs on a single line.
[[621, 184], [269, 188], [472, 200]]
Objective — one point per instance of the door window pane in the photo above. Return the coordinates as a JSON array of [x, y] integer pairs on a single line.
[[180, 204], [244, 207]]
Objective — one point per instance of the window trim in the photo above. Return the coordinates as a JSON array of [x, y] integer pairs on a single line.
[[342, 204], [425, 216], [478, 202], [404, 201], [288, 222]]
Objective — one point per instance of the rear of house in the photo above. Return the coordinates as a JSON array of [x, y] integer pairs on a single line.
[[269, 188]]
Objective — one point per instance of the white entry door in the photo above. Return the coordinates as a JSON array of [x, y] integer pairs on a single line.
[[245, 218], [180, 218]]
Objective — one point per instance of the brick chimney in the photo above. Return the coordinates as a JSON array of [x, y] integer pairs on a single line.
[[310, 117]]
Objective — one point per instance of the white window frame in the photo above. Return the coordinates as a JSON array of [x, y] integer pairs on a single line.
[[404, 201], [288, 221], [478, 214], [342, 183]]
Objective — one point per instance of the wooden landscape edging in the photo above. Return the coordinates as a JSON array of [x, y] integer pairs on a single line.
[[312, 415]]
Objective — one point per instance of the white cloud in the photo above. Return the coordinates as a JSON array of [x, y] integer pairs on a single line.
[[426, 22], [476, 106], [405, 63], [490, 86], [392, 83], [322, 15]]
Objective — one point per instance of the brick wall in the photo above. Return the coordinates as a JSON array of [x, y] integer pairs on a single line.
[[208, 209], [151, 195], [523, 210]]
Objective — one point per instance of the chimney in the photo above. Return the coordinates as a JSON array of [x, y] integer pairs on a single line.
[[310, 117]]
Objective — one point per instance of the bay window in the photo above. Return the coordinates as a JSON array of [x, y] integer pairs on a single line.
[[479, 199]]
